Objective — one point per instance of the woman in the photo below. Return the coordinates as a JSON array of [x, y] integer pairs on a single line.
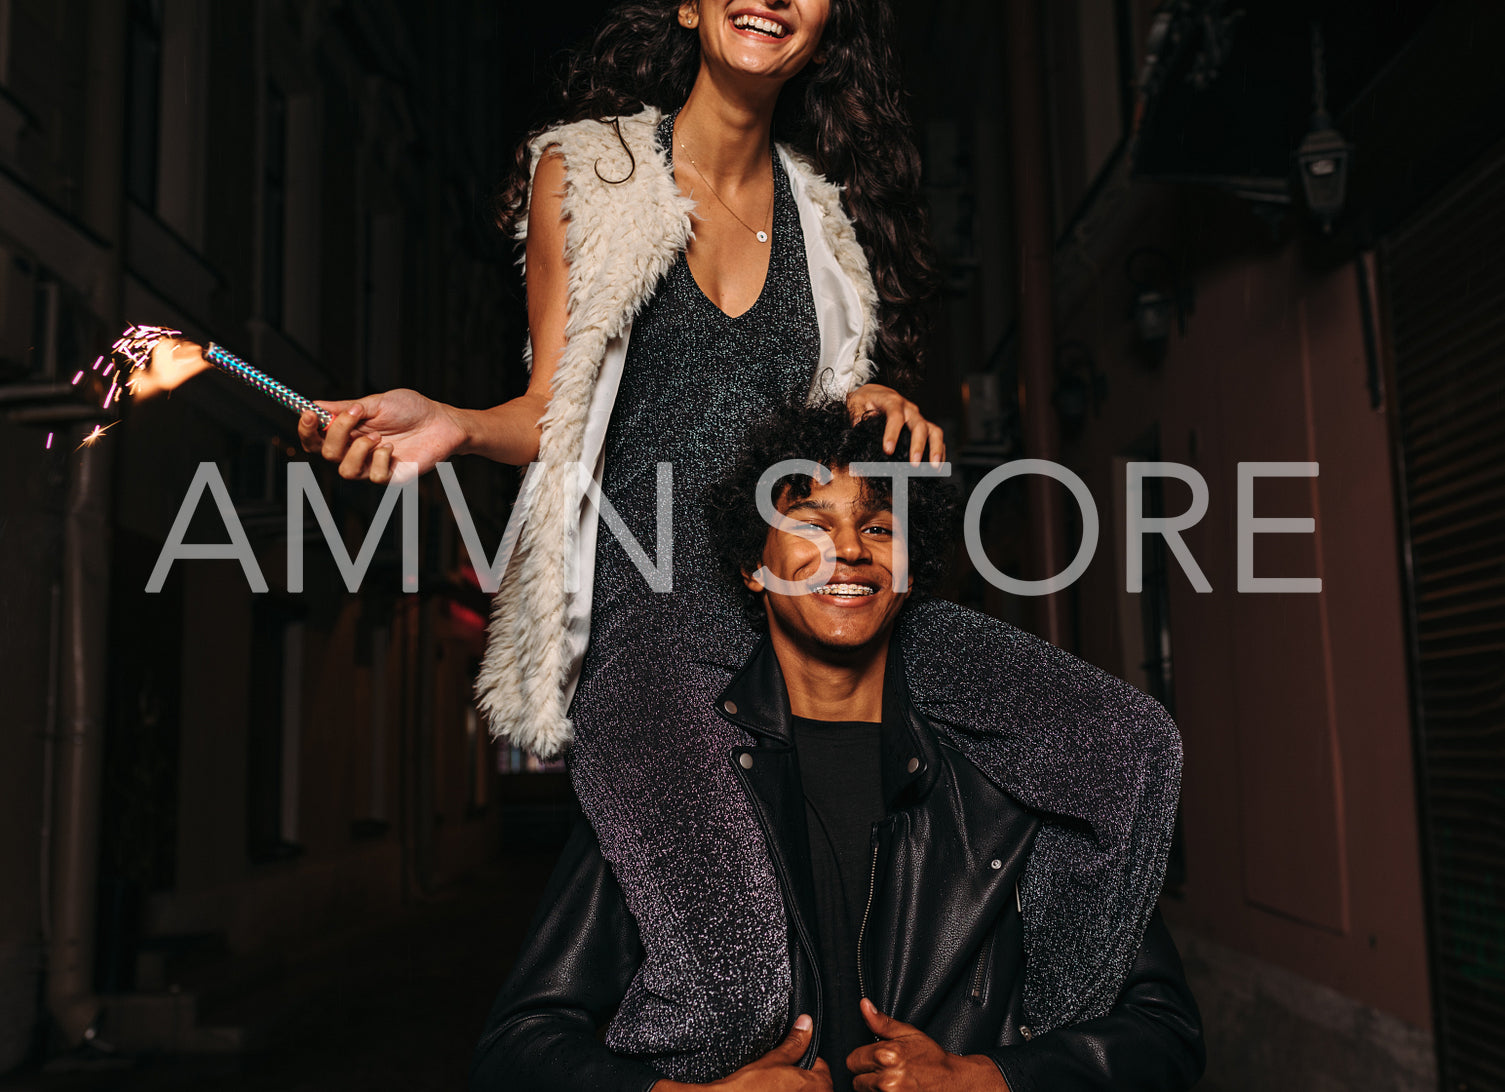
[[653, 345]]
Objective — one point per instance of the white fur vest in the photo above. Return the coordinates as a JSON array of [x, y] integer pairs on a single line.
[[621, 237]]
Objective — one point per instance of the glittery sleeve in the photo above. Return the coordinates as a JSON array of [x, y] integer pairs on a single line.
[[1151, 1040]]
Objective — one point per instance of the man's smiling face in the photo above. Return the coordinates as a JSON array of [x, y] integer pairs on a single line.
[[856, 608]]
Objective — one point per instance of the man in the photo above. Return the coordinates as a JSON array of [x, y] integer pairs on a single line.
[[900, 862]]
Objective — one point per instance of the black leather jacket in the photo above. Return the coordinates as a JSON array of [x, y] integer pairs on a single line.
[[940, 946]]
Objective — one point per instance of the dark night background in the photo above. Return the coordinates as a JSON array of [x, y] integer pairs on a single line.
[[262, 841]]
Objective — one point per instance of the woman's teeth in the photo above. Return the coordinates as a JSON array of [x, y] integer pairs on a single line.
[[848, 590], [761, 25]]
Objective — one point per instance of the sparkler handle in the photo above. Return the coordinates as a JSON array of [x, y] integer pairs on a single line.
[[256, 379]]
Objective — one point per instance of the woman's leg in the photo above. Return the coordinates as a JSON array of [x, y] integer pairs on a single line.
[[652, 768]]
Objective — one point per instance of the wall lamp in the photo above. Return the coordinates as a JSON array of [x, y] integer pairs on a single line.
[[1160, 299], [1079, 385]]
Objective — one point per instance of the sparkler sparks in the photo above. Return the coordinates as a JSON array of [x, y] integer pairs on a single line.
[[137, 343], [95, 434]]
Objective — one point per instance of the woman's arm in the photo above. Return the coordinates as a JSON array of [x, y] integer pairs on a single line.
[[509, 433], [369, 435]]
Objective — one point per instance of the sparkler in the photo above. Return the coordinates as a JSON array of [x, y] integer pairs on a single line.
[[149, 352], [138, 344], [227, 361]]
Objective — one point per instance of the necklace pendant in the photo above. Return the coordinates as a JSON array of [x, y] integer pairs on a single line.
[[762, 236]]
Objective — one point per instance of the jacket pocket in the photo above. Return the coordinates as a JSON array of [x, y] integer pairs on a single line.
[[982, 974]]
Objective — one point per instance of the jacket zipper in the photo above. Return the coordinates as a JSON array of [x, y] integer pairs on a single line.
[[872, 881], [983, 960]]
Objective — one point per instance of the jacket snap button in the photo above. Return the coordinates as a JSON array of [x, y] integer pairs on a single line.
[[914, 764], [730, 707], [745, 760], [995, 863], [1025, 1031]]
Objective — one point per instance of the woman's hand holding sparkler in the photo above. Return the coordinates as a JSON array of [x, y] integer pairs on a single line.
[[402, 432], [379, 435]]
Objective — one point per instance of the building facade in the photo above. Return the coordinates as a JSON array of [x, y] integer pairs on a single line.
[[207, 775], [1334, 887]]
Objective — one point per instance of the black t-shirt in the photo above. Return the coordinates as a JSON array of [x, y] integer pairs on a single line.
[[840, 766]]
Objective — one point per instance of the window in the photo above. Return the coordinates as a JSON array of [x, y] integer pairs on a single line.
[[274, 736], [480, 763], [511, 758], [274, 207], [377, 640], [382, 300], [143, 100], [1091, 48], [4, 42], [182, 97]]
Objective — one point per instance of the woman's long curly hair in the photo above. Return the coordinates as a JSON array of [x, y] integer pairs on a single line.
[[844, 114]]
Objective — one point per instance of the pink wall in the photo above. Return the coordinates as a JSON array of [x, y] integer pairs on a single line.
[[1298, 799]]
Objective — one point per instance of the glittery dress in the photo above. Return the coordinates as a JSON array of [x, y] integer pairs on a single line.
[[650, 764], [694, 378]]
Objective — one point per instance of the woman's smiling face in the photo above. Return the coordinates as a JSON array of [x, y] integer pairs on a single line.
[[772, 39]]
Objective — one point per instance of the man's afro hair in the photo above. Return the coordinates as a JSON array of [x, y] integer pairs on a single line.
[[824, 432]]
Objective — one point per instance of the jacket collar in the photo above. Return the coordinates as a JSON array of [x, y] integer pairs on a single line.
[[757, 700]]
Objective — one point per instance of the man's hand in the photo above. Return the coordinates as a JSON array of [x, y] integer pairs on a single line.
[[908, 1060], [777, 1071]]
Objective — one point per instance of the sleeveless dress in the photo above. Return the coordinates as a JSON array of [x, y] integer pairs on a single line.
[[694, 377], [649, 762]]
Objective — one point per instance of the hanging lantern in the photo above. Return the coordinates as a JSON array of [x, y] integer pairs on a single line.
[[1154, 311], [1323, 157], [1161, 300]]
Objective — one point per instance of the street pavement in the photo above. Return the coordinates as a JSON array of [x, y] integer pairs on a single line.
[[398, 1005]]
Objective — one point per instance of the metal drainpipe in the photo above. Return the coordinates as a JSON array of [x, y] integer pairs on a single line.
[[49, 757], [79, 747], [80, 753], [1030, 170]]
